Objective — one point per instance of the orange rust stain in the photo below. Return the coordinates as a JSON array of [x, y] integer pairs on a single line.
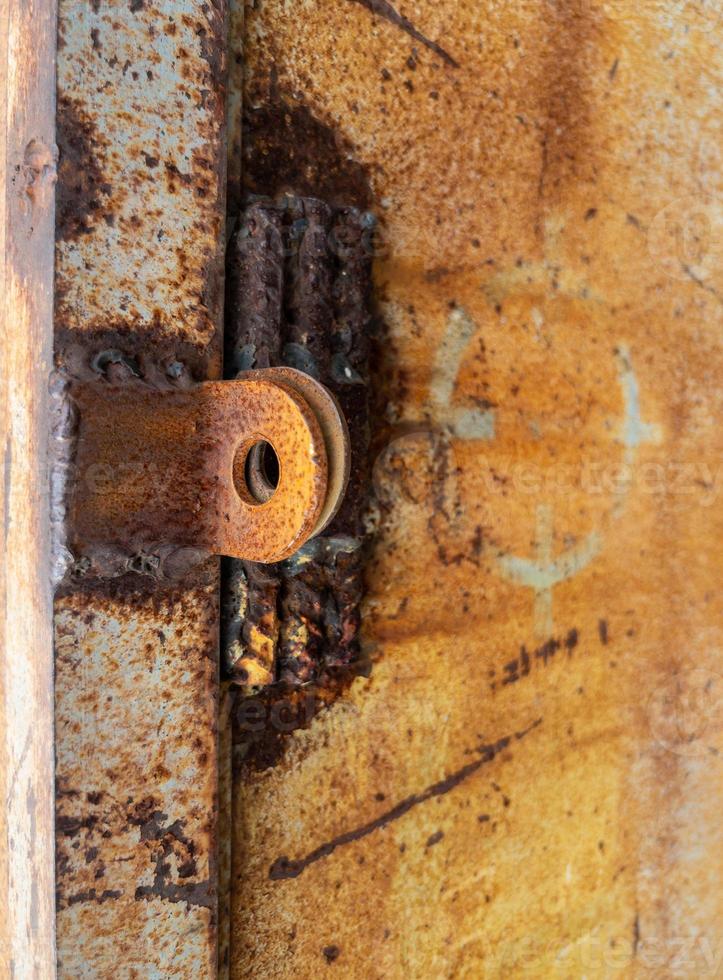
[[558, 561]]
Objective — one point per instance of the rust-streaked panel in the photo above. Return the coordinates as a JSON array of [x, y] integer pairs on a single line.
[[139, 287], [529, 783], [141, 117], [136, 779]]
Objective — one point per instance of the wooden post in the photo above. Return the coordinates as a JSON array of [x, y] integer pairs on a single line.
[[28, 173]]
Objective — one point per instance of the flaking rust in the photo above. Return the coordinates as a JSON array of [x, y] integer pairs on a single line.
[[299, 283], [141, 94], [136, 873]]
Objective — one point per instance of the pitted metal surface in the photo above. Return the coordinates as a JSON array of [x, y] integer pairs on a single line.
[[139, 264], [136, 838]]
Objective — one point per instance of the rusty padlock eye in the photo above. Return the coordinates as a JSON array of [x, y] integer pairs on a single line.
[[259, 470], [249, 468]]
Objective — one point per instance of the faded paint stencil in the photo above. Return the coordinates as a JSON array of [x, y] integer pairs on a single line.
[[546, 570], [469, 423]]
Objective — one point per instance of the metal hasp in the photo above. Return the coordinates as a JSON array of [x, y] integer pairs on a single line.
[[250, 468]]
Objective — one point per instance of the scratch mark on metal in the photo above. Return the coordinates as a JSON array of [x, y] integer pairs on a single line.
[[701, 282], [284, 868], [17, 770], [387, 11]]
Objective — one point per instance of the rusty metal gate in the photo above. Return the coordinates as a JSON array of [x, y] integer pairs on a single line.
[[473, 728]]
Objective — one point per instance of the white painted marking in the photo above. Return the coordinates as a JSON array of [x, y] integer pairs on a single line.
[[465, 423]]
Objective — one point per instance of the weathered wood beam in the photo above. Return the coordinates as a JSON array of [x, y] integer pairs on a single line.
[[27, 171]]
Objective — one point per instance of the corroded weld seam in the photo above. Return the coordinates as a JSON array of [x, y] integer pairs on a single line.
[[299, 288], [284, 868]]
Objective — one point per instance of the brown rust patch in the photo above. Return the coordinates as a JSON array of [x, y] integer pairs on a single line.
[[264, 722], [137, 593], [565, 87], [83, 193], [212, 46], [174, 849], [289, 150], [331, 953]]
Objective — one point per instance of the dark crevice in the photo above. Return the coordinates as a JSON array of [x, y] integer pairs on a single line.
[[299, 295]]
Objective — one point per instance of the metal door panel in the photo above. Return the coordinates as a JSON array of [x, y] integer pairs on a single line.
[[528, 783]]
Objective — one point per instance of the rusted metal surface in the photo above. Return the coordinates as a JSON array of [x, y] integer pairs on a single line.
[[234, 108], [162, 479], [141, 117], [139, 261], [529, 781], [136, 777], [298, 293]]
